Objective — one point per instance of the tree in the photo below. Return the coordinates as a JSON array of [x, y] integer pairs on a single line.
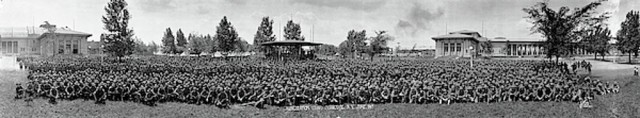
[[292, 31], [378, 43], [596, 41], [507, 48], [264, 34], [51, 33], [211, 44], [355, 43], [327, 49], [181, 45], [141, 48], [242, 45], [486, 47], [562, 28], [197, 44], [117, 40], [153, 47], [600, 44], [345, 48], [629, 35], [226, 36], [168, 42]]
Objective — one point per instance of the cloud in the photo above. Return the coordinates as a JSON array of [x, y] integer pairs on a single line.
[[363, 5], [203, 10], [418, 19], [156, 5], [240, 2]]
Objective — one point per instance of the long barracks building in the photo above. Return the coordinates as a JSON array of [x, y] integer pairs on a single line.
[[38, 41], [466, 43]]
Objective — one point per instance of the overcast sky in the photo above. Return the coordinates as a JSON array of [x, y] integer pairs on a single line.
[[411, 22]]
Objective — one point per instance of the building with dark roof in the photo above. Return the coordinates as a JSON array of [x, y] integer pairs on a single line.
[[40, 41]]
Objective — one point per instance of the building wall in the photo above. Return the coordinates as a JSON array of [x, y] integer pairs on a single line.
[[17, 45], [32, 45], [444, 47], [517, 48]]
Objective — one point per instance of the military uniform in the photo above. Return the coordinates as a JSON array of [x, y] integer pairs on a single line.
[[19, 91]]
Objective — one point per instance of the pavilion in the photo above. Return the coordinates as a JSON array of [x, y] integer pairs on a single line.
[[283, 51]]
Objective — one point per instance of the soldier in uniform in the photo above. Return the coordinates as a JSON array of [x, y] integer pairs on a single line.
[[53, 94], [224, 99], [19, 91], [100, 95], [635, 71], [150, 96]]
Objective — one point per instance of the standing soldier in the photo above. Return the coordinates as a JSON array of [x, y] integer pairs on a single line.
[[19, 91], [635, 71], [588, 67]]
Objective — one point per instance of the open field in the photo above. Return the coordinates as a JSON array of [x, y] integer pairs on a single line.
[[624, 104]]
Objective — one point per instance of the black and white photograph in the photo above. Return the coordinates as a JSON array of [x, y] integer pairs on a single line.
[[319, 58]]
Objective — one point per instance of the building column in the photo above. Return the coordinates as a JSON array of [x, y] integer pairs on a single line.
[[513, 50], [528, 49], [539, 49], [510, 49], [517, 50], [525, 50]]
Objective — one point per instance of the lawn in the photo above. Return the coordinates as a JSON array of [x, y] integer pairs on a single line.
[[624, 104]]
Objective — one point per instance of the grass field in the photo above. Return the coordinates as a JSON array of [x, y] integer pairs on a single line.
[[625, 104]]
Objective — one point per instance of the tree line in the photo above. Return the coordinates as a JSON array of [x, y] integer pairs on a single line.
[[567, 30], [119, 41], [358, 43]]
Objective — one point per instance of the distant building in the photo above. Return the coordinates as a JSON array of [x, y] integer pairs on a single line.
[[518, 47], [458, 43], [421, 52], [38, 41]]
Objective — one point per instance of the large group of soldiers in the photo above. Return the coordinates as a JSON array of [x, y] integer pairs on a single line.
[[203, 80]]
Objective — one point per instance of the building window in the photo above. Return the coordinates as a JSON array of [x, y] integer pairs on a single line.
[[61, 49], [458, 47], [75, 48], [3, 47], [10, 47], [446, 48], [15, 47]]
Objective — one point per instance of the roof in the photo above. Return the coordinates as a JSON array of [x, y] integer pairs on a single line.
[[30, 32], [464, 31], [290, 43], [515, 40], [453, 36], [67, 31], [483, 39]]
